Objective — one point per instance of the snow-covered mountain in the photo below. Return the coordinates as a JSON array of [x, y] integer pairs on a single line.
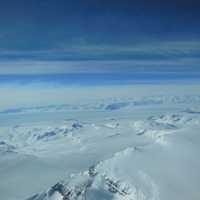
[[110, 104], [136, 148], [128, 153], [154, 166]]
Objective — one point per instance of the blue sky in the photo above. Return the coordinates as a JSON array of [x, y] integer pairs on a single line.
[[47, 45], [99, 36]]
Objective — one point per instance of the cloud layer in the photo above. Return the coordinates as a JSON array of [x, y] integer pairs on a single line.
[[171, 56]]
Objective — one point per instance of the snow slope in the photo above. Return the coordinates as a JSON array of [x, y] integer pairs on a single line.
[[129, 148], [152, 170]]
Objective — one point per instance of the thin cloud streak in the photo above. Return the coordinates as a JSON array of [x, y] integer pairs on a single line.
[[169, 56], [127, 66], [88, 51]]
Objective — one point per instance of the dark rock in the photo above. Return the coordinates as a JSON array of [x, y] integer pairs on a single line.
[[77, 125], [116, 106], [47, 134]]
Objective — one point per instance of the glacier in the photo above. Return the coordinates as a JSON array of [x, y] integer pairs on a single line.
[[116, 147]]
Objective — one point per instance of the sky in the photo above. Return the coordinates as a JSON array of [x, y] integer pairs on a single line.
[[46, 46], [99, 36]]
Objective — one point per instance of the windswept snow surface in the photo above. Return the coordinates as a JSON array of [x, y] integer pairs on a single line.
[[124, 148]]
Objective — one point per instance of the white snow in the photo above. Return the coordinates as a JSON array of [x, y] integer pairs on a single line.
[[146, 149]]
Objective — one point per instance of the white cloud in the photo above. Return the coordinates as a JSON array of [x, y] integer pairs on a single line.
[[156, 56], [130, 66]]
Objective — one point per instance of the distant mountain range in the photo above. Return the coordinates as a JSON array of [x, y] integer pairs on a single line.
[[109, 105]]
